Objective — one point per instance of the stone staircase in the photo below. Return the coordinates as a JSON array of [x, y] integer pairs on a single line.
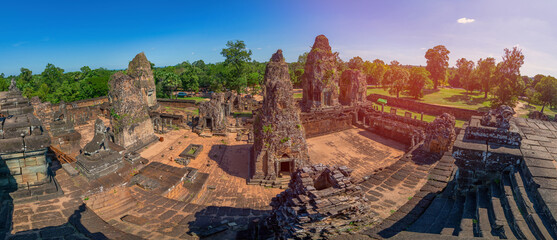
[[501, 209]]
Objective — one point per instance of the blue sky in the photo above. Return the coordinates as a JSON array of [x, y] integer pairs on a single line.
[[72, 34]]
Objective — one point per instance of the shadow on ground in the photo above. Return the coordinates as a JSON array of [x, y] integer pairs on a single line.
[[233, 159], [230, 223]]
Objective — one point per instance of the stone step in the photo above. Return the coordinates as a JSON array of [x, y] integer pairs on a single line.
[[484, 207], [429, 216], [452, 223], [499, 223], [523, 201], [469, 222], [439, 223], [514, 215]]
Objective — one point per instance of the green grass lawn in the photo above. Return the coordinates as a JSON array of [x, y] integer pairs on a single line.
[[427, 118], [298, 95], [535, 107], [197, 99], [447, 97]]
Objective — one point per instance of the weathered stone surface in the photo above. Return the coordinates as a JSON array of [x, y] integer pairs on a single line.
[[440, 134], [320, 201], [352, 87], [320, 78], [100, 156], [212, 115], [23, 147], [280, 146], [498, 117], [130, 119], [140, 70]]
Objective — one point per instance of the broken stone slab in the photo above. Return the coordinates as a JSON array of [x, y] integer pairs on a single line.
[[70, 169]]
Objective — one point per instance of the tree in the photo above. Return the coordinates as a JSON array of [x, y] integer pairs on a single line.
[[464, 71], [296, 69], [537, 79], [486, 73], [356, 63], [396, 78], [52, 75], [507, 78], [419, 78], [437, 63], [547, 89], [24, 78], [377, 71], [237, 58]]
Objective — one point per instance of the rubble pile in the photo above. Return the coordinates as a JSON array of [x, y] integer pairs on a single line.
[[320, 200], [440, 134], [498, 117]]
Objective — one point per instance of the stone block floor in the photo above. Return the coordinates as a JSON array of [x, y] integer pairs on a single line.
[[109, 208]]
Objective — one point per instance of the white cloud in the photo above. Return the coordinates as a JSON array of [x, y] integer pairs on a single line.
[[258, 48], [465, 20]]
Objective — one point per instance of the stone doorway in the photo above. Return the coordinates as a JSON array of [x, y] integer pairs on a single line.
[[285, 167], [209, 123]]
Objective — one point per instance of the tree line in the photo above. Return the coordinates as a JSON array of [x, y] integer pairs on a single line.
[[238, 72]]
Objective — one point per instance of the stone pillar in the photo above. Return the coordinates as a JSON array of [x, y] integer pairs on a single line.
[[382, 108], [422, 116]]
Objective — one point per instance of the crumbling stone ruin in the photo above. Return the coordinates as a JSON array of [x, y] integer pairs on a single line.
[[280, 146], [100, 156], [64, 136], [498, 117], [23, 147], [129, 114], [440, 134], [320, 78], [212, 115], [140, 70], [352, 87], [487, 146], [320, 201]]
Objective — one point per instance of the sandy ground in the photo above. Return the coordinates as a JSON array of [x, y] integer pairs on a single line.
[[521, 109], [360, 150]]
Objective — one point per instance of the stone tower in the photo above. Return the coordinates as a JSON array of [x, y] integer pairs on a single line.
[[352, 87], [280, 145], [130, 119], [320, 78], [140, 70]]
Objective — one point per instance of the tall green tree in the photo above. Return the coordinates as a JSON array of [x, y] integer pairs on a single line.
[[437, 63], [419, 78], [464, 71], [236, 57], [486, 73], [547, 89], [396, 78], [509, 83], [356, 63]]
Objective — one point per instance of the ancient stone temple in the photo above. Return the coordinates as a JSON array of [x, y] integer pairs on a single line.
[[64, 136], [100, 156], [23, 147], [212, 115], [440, 134], [487, 146], [320, 79], [280, 145], [352, 87], [140, 70], [129, 111]]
